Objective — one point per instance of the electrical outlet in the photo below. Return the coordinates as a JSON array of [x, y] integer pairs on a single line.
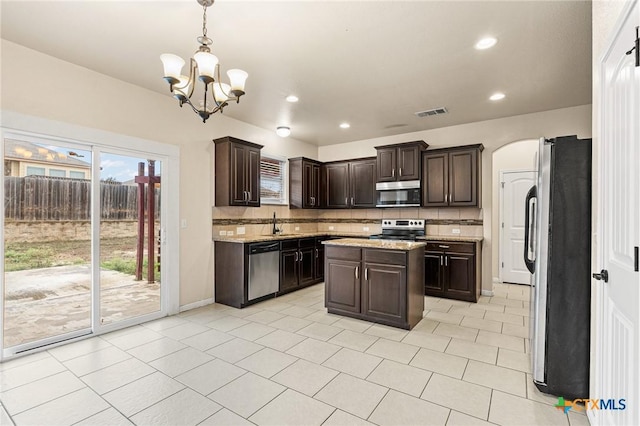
[[297, 228], [365, 228], [223, 233], [455, 231], [331, 228], [240, 230], [229, 233]]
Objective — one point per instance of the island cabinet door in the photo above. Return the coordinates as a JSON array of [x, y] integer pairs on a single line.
[[384, 292], [342, 285]]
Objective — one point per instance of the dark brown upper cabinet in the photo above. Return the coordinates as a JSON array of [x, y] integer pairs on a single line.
[[304, 183], [237, 172], [451, 177], [400, 161], [350, 184]]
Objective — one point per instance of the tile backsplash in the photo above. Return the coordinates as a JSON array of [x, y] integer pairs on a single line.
[[258, 220]]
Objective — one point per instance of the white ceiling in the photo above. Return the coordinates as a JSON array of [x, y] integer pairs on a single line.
[[370, 63]]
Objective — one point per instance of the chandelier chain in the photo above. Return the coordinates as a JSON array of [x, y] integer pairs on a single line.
[[204, 20]]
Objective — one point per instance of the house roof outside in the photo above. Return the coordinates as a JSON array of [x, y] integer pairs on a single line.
[[27, 151]]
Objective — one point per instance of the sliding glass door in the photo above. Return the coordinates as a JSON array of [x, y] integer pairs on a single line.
[[130, 233], [47, 242], [82, 238]]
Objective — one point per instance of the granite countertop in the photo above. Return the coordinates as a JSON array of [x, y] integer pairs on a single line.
[[379, 244], [263, 238], [288, 236], [452, 238]]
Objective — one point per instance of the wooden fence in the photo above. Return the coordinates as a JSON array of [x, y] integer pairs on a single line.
[[49, 198]]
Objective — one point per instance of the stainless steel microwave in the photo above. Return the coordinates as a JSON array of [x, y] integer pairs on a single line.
[[398, 194]]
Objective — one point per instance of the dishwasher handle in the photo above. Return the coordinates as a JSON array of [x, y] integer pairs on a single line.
[[264, 248]]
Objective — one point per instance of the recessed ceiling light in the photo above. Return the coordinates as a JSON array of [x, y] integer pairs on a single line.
[[497, 96], [345, 125], [292, 98], [283, 131], [486, 43]]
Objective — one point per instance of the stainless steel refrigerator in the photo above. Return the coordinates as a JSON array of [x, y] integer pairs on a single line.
[[557, 251]]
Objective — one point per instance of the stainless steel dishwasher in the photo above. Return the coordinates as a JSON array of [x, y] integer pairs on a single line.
[[264, 269]]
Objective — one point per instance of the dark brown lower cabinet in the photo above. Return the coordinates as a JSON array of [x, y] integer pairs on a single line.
[[378, 285], [297, 263], [346, 295], [453, 270]]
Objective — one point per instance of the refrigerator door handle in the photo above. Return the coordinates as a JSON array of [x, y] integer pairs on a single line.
[[530, 263]]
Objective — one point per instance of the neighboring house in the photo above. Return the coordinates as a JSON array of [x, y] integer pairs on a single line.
[[27, 159]]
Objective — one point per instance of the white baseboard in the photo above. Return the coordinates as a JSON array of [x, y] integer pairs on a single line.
[[488, 293], [197, 304]]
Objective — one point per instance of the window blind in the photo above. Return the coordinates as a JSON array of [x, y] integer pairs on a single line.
[[272, 181]]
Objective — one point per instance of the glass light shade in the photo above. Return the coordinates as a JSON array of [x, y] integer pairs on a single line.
[[237, 78], [221, 94], [172, 65], [283, 131], [182, 89], [206, 64]]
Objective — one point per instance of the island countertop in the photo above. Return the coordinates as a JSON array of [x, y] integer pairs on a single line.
[[376, 244]]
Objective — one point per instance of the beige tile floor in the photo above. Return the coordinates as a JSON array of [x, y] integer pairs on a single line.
[[287, 362]]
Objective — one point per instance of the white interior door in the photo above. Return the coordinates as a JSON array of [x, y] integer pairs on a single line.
[[617, 374], [513, 193]]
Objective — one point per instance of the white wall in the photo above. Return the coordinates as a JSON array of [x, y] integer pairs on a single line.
[[514, 156], [492, 134], [43, 86]]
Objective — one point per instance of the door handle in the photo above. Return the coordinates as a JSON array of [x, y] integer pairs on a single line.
[[316, 253], [400, 171], [441, 260], [346, 201], [301, 256], [530, 263], [446, 260], [351, 201], [602, 276], [248, 195], [393, 172], [441, 246], [366, 274], [357, 272], [296, 258]]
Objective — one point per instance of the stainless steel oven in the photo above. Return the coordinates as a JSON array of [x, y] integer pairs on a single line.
[[398, 194]]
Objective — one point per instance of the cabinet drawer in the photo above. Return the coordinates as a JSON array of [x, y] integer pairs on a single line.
[[455, 247], [307, 242], [344, 253], [289, 244], [388, 257]]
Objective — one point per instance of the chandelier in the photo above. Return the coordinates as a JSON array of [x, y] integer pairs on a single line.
[[205, 66]]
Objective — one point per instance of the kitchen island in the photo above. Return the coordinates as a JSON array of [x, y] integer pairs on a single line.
[[375, 280]]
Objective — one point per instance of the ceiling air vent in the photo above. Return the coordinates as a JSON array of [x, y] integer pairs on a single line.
[[435, 111]]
